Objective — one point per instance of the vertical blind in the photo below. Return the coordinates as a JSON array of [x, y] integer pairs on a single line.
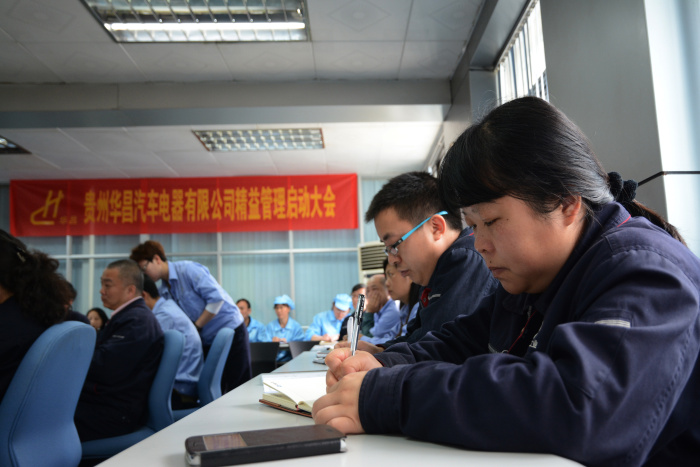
[[522, 70]]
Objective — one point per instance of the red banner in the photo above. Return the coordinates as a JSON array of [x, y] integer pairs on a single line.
[[182, 205]]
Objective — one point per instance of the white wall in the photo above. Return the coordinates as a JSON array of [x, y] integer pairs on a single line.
[[599, 74], [674, 44]]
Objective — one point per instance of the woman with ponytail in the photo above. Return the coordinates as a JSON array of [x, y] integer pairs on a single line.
[[33, 296], [589, 347]]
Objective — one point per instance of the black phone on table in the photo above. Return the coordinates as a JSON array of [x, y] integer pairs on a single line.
[[263, 445]]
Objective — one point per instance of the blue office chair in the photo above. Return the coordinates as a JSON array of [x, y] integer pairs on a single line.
[[209, 384], [160, 414], [36, 414]]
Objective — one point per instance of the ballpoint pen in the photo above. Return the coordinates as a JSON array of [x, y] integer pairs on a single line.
[[357, 321], [351, 327]]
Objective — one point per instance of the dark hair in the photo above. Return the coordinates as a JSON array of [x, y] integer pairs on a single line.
[[246, 302], [72, 293], [357, 287], [530, 150], [31, 277], [150, 287], [101, 313], [414, 196], [147, 250], [129, 272]]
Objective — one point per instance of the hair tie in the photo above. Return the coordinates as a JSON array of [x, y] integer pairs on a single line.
[[623, 192]]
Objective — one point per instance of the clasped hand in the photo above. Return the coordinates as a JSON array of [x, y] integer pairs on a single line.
[[339, 408]]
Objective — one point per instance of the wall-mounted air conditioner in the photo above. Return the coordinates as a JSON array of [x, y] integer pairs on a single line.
[[370, 259]]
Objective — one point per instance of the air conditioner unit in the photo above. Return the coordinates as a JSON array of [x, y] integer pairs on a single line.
[[370, 259]]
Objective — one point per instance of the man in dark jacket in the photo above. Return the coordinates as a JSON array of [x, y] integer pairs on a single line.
[[127, 353], [426, 243]]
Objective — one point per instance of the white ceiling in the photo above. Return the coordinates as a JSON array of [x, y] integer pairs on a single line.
[[375, 78]]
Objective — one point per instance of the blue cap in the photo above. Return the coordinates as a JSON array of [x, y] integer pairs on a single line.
[[343, 301], [285, 300]]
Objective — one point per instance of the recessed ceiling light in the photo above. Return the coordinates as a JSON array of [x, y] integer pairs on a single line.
[[8, 147], [202, 20], [287, 139]]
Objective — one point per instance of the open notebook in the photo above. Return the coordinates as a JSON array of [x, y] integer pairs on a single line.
[[293, 392]]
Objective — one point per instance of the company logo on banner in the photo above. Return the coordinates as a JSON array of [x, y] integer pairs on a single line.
[[182, 205]]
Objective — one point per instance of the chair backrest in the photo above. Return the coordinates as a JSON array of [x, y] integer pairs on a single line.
[[209, 385], [160, 414], [297, 347], [263, 357], [36, 414]]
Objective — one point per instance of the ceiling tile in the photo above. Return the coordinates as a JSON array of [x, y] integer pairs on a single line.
[[179, 62], [158, 139], [32, 21], [179, 158], [358, 20], [299, 162], [20, 66], [267, 61], [357, 60], [442, 20], [71, 161], [430, 60], [86, 62], [45, 142], [106, 140], [23, 162]]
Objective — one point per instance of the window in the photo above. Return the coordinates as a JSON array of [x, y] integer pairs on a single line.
[[522, 70]]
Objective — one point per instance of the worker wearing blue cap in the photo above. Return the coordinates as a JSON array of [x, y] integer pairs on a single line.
[[284, 328], [326, 325]]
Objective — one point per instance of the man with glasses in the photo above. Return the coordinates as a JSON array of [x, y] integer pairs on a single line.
[[427, 243]]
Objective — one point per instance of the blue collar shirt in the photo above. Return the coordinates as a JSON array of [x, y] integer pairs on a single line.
[[324, 323], [170, 316], [291, 332], [387, 322], [257, 331], [194, 289]]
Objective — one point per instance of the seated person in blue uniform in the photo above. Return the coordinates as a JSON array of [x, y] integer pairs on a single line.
[[387, 319], [404, 290], [204, 301], [170, 316], [326, 325], [256, 329], [425, 241], [284, 328], [589, 347], [127, 353], [33, 296]]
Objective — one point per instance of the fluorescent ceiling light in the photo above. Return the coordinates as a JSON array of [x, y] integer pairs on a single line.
[[287, 139], [203, 26], [8, 147], [202, 20]]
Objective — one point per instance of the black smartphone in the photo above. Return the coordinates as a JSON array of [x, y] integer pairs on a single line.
[[245, 447]]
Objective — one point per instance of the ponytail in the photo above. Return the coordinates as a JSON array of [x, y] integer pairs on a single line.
[[624, 193]]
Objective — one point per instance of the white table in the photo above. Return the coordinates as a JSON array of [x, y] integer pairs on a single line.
[[240, 410]]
